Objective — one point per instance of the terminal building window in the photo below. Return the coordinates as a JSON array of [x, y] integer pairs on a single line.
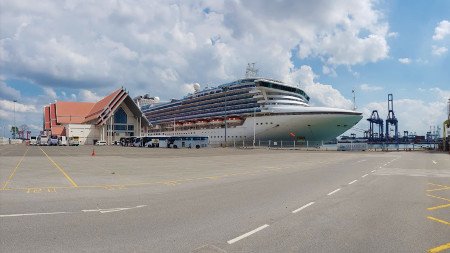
[[120, 116]]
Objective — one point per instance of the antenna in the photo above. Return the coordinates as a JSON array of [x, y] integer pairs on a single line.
[[251, 71]]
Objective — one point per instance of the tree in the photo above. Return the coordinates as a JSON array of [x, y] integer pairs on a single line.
[[14, 131]]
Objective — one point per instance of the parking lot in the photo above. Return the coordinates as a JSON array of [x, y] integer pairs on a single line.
[[112, 198]]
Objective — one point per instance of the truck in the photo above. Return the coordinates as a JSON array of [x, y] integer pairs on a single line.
[[62, 141], [33, 140], [74, 141]]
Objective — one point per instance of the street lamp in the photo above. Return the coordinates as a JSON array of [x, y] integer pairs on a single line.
[[14, 127], [225, 89]]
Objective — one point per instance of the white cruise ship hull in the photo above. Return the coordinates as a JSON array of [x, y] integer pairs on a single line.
[[314, 127]]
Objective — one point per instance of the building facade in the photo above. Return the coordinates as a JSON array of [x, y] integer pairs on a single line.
[[109, 119]]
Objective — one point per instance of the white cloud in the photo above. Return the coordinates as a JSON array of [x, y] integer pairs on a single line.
[[404, 60], [10, 106], [370, 88], [441, 30], [7, 92], [50, 93], [159, 46], [88, 96], [320, 94], [438, 50], [392, 35]]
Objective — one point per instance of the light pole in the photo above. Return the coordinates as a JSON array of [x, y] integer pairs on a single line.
[[225, 89], [254, 126], [14, 127]]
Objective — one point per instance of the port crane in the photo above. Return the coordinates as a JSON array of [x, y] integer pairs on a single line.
[[391, 119]]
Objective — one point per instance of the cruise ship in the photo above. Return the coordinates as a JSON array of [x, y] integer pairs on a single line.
[[248, 109]]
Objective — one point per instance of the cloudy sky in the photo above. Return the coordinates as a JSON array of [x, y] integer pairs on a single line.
[[83, 50]]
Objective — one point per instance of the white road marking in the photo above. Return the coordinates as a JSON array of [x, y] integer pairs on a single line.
[[333, 192], [373, 171], [247, 234], [110, 210], [380, 167], [353, 181], [361, 161], [30, 214], [303, 207], [434, 162], [365, 175]]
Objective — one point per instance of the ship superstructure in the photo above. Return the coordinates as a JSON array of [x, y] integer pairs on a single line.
[[249, 108]]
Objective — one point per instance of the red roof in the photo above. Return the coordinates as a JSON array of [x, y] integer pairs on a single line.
[[81, 112], [72, 112]]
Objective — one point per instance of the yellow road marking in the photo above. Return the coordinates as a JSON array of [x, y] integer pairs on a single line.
[[438, 207], [440, 248], [439, 185], [14, 170], [438, 197], [60, 169], [439, 189], [438, 220], [123, 186]]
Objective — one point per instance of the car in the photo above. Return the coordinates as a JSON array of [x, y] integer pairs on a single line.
[[100, 143], [52, 141]]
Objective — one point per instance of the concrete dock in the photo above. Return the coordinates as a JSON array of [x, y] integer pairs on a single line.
[[63, 199]]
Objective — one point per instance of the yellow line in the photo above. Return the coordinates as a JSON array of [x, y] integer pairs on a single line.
[[440, 248], [15, 169], [438, 220], [437, 207], [439, 189], [60, 169], [438, 197], [440, 185]]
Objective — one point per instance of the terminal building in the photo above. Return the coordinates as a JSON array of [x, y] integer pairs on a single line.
[[109, 119]]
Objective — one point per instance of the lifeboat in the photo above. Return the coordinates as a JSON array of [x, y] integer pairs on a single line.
[[201, 123], [216, 122], [188, 124], [234, 120], [157, 127]]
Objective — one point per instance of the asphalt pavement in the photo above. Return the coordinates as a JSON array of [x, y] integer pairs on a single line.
[[63, 199]]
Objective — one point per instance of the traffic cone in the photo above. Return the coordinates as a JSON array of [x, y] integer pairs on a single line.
[[93, 152]]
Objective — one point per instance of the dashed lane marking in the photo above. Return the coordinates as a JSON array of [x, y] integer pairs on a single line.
[[373, 171], [333, 192], [247, 234], [434, 162], [354, 181], [303, 207], [14, 170], [365, 175]]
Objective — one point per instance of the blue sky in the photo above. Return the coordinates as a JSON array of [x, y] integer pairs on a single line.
[[65, 50]]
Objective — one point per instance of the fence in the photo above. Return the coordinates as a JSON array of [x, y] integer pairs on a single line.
[[4, 141], [319, 145]]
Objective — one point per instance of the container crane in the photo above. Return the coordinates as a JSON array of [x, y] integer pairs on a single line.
[[391, 119], [375, 120]]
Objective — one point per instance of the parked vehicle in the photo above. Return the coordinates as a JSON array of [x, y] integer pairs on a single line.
[[62, 141], [74, 141], [155, 141], [187, 142], [100, 143], [53, 140], [137, 142], [42, 140], [33, 140]]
